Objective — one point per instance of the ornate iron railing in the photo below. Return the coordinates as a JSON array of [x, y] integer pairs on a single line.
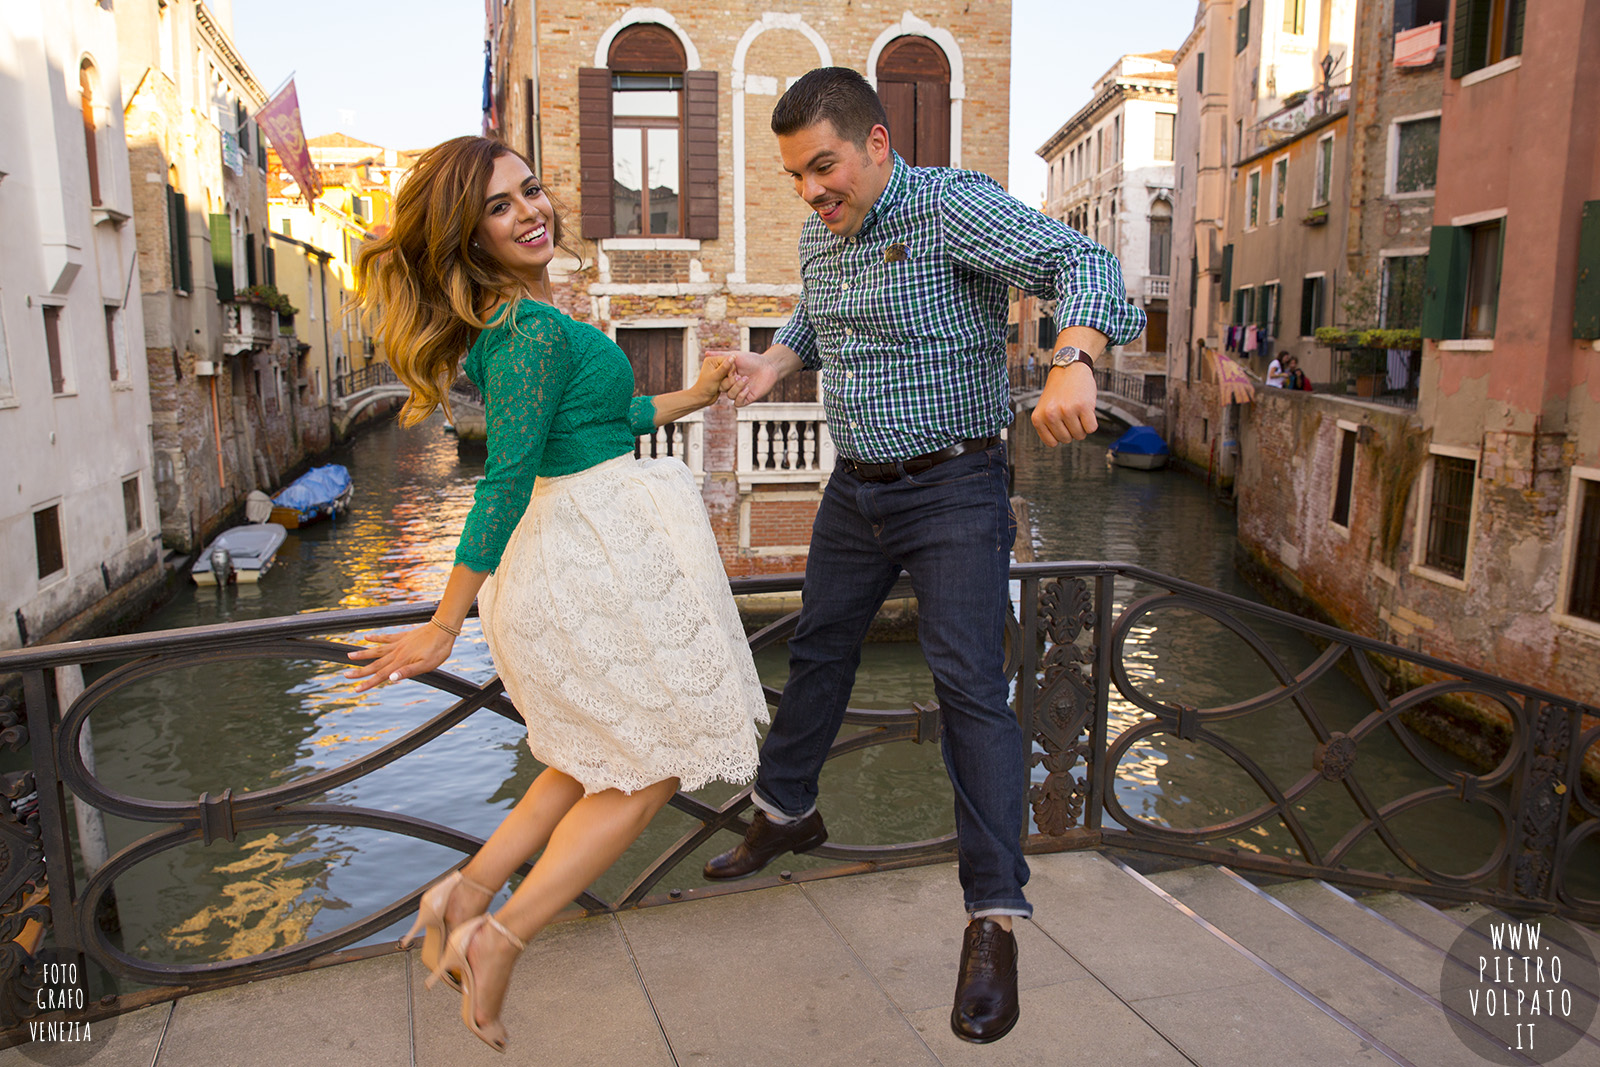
[[1085, 689]]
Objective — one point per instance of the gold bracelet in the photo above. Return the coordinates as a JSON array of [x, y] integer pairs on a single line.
[[446, 629]]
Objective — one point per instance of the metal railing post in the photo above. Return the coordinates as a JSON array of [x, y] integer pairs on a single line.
[[54, 830], [1104, 600]]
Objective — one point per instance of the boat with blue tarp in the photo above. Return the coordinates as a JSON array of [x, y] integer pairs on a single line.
[[320, 493], [1141, 448]]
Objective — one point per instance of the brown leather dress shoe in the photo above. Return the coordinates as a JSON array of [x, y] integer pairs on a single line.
[[986, 993], [764, 841]]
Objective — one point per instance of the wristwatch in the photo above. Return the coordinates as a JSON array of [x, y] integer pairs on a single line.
[[1069, 354]]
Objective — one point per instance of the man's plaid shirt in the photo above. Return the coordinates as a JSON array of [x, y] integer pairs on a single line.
[[907, 319]]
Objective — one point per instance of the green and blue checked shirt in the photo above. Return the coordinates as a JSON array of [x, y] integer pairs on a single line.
[[907, 318]]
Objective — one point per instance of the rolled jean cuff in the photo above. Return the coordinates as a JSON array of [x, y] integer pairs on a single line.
[[1024, 912], [777, 814]]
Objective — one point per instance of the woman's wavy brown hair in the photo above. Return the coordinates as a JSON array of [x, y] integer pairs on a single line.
[[423, 285]]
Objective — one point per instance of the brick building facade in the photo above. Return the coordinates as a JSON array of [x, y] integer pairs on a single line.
[[222, 375], [1457, 510], [651, 127]]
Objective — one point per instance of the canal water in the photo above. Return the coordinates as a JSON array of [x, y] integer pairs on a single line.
[[253, 724]]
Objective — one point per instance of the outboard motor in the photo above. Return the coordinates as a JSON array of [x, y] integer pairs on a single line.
[[222, 566]]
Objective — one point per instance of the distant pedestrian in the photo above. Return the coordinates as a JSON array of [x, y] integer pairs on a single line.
[[1294, 377], [604, 600], [1277, 372]]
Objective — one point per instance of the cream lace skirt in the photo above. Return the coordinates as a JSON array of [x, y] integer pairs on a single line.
[[612, 627]]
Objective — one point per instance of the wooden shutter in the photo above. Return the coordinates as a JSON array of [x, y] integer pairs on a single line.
[[594, 151], [250, 259], [1469, 42], [657, 359], [914, 85], [174, 249], [1227, 273], [933, 124], [900, 104], [222, 256], [700, 152], [1586, 305], [1514, 35], [185, 262], [1444, 293]]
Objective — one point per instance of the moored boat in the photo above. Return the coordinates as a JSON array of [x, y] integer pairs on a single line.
[[1141, 448], [241, 554], [320, 493]]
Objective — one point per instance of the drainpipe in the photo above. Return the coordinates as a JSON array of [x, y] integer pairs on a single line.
[[327, 345], [216, 431]]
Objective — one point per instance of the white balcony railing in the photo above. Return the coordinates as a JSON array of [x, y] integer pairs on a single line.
[[783, 443], [246, 326], [684, 439], [1159, 286]]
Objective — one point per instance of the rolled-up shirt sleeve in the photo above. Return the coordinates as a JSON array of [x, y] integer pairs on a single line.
[[800, 337], [987, 229]]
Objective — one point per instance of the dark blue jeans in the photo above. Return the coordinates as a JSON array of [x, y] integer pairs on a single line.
[[951, 528]]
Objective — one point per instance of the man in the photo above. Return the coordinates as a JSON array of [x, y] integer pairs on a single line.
[[904, 311]]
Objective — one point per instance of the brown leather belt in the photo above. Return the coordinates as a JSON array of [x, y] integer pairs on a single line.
[[892, 472]]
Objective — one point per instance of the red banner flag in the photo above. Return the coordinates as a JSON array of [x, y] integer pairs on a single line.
[[280, 121]]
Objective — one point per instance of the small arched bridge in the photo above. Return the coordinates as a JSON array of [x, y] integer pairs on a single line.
[[353, 393], [1134, 399]]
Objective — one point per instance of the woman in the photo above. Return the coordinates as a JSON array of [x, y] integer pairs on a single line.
[[608, 613]]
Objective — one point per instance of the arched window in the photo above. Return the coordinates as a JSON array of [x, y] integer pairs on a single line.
[[1160, 237], [646, 64], [914, 85], [648, 140], [86, 80]]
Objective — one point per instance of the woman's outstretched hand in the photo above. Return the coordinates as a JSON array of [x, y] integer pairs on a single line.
[[708, 386], [402, 655]]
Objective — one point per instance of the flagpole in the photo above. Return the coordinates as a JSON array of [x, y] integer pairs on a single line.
[[274, 94]]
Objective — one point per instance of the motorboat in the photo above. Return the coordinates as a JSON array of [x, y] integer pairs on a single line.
[[1141, 448], [320, 493], [240, 554]]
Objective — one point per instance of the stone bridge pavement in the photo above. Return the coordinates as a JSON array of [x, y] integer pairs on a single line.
[[1191, 966]]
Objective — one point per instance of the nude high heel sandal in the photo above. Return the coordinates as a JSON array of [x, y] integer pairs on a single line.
[[430, 920], [492, 1033]]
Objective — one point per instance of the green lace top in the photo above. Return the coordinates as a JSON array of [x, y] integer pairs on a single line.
[[558, 398]]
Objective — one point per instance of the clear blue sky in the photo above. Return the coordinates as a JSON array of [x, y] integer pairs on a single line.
[[409, 73]]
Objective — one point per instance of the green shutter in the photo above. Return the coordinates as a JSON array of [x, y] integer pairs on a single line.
[[172, 237], [1586, 305], [1227, 273], [222, 256], [1460, 35], [185, 262], [250, 258], [1444, 293], [1519, 12]]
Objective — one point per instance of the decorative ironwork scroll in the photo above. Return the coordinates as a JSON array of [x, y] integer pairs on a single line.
[[1065, 707]]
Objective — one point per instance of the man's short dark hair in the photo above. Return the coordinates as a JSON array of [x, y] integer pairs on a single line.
[[837, 94]]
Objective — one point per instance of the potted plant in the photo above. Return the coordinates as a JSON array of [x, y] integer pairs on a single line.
[[1407, 340], [1315, 217], [268, 296]]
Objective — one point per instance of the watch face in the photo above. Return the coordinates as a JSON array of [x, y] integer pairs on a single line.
[[1066, 354]]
